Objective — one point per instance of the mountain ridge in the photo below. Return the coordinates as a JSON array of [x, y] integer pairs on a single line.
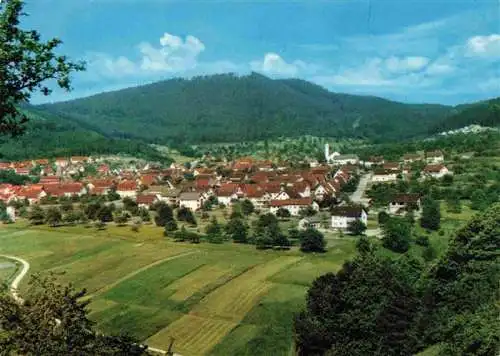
[[221, 107]]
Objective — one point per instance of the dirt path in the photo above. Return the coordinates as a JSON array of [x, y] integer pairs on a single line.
[[14, 286]]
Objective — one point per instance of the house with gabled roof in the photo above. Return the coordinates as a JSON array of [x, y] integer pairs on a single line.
[[411, 157], [191, 200], [436, 171], [342, 216], [127, 188], [434, 157], [146, 200], [401, 203], [383, 175], [294, 206]]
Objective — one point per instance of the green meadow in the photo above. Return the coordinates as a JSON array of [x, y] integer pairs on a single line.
[[211, 299]]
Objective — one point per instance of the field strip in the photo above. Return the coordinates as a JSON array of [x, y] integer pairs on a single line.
[[221, 310], [187, 286], [137, 271]]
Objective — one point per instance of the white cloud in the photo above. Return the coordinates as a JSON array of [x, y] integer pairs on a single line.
[[407, 64], [392, 72], [483, 46], [173, 55], [101, 64], [273, 64], [440, 69]]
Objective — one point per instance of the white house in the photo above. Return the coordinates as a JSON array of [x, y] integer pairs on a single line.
[[191, 200], [343, 216], [404, 202], [310, 221], [384, 176], [127, 189], [436, 171], [294, 206], [434, 157], [345, 159]]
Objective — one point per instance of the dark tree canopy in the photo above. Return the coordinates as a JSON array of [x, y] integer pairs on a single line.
[[26, 64], [53, 321]]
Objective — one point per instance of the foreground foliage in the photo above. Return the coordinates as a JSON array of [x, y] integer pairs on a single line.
[[378, 306], [53, 321]]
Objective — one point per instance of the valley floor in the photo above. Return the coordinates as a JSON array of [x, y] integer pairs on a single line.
[[210, 299]]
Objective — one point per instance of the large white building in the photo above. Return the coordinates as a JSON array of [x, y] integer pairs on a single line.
[[191, 200], [343, 216]]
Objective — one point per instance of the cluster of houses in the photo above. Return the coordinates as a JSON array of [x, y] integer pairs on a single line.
[[268, 187], [385, 171]]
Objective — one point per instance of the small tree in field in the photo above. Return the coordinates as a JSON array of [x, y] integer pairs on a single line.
[[431, 214], [236, 230], [397, 235], [53, 217], [311, 240], [214, 231], [163, 214], [36, 215], [356, 227]]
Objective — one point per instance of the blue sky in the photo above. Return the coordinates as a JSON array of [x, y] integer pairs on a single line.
[[407, 50]]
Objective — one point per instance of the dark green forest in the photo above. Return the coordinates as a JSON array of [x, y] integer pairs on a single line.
[[229, 108], [48, 135], [485, 113]]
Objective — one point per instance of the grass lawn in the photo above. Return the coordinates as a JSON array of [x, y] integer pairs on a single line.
[[213, 299], [8, 269]]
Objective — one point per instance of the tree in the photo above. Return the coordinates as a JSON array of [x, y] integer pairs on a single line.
[[356, 227], [105, 213], [170, 226], [396, 235], [214, 231], [36, 215], [311, 240], [283, 213], [247, 207], [121, 219], [267, 231], [185, 214], [71, 217], [163, 214], [462, 285], [478, 200], [431, 214], [66, 206], [237, 231], [130, 205], [383, 217], [143, 213], [53, 217], [339, 321], [26, 65], [113, 195], [307, 211], [53, 320]]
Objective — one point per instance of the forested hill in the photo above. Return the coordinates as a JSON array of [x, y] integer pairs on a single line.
[[484, 113], [49, 135], [227, 107]]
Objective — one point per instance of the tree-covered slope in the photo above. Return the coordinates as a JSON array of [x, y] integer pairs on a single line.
[[49, 135], [231, 108], [484, 113]]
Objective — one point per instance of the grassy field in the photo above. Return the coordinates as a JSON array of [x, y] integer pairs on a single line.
[[212, 299]]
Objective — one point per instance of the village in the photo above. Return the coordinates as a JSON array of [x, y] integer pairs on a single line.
[[336, 188]]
